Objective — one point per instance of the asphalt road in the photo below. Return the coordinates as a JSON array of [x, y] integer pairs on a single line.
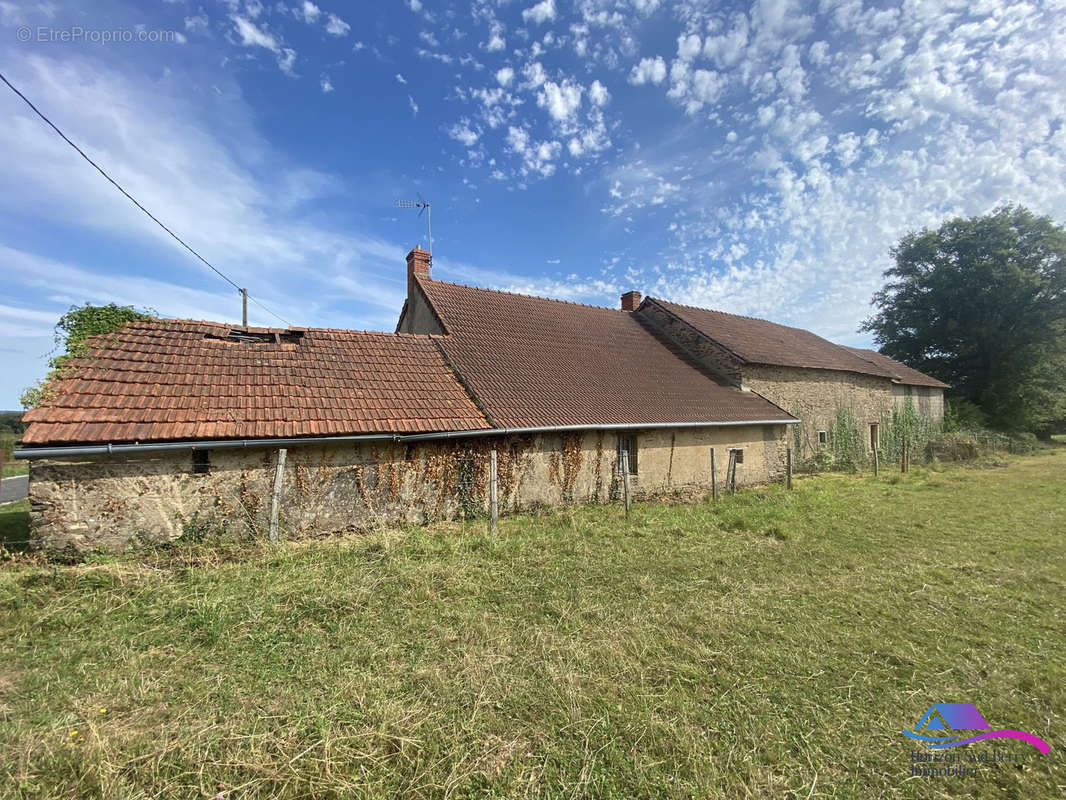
[[14, 488]]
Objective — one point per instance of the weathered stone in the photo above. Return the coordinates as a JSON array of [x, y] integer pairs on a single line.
[[111, 503]]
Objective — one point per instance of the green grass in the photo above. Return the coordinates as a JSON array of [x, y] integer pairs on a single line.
[[16, 468], [15, 525], [772, 646], [11, 467]]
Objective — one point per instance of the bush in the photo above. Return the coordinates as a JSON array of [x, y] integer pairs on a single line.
[[962, 415], [905, 424]]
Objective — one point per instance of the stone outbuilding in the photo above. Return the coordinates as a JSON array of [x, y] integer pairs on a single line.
[[172, 429], [808, 376]]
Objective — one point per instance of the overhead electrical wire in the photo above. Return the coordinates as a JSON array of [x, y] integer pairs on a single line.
[[133, 200]]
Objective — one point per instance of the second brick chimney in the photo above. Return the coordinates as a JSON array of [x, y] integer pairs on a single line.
[[630, 301], [418, 263]]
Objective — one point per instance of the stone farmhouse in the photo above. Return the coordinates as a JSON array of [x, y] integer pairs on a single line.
[[172, 428]]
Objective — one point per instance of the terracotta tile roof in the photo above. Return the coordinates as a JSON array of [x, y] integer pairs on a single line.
[[179, 379], [902, 372], [758, 341], [532, 361]]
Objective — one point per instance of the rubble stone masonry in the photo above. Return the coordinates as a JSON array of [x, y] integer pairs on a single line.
[[116, 502]]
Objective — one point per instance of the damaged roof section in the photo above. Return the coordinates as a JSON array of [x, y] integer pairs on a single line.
[[161, 380], [532, 361]]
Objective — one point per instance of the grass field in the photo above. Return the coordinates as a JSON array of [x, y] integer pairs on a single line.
[[772, 646], [15, 525], [11, 467]]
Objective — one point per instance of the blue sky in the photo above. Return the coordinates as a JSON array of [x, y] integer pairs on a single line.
[[756, 158]]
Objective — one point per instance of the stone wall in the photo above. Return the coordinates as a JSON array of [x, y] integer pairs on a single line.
[[418, 317], [710, 355], [927, 400], [814, 395], [111, 503]]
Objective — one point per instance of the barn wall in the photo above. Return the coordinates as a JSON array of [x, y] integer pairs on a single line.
[[815, 395], [927, 400], [112, 503]]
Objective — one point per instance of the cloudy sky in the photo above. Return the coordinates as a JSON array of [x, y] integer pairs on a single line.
[[756, 158]]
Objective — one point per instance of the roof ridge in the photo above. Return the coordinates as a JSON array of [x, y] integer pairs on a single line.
[[741, 316], [255, 329], [527, 296]]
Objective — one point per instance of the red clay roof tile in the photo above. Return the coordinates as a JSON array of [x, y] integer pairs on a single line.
[[759, 341], [176, 379], [532, 361], [901, 372]]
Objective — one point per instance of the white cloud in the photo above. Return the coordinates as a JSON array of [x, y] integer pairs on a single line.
[[649, 70], [542, 12], [197, 23], [534, 74], [504, 76], [336, 26], [326, 84], [598, 94], [252, 35], [308, 12], [400, 78], [562, 100], [496, 41], [414, 5], [413, 105], [286, 60], [463, 133], [689, 46]]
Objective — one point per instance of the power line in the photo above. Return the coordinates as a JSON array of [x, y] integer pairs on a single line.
[[133, 200]]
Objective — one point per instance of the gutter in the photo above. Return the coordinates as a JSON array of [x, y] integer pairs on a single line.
[[229, 444], [421, 437], [199, 444]]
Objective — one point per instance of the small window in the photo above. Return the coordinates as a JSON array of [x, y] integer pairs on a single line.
[[201, 462], [739, 455], [628, 444], [823, 437]]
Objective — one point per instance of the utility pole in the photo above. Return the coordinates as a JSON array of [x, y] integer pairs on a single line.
[[244, 308]]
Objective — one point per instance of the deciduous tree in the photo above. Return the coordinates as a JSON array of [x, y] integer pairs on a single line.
[[981, 304]]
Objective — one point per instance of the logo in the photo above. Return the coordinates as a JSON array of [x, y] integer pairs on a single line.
[[948, 721]]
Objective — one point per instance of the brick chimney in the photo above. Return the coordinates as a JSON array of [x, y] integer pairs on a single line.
[[630, 301], [417, 263]]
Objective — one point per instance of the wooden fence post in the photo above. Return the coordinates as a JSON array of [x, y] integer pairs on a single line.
[[494, 507], [731, 472], [625, 480], [714, 478], [903, 458], [877, 463], [275, 499], [1, 465], [788, 467]]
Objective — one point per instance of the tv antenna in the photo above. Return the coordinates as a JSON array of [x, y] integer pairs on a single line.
[[421, 205]]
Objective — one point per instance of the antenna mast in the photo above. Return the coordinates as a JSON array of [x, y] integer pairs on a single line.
[[421, 205]]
